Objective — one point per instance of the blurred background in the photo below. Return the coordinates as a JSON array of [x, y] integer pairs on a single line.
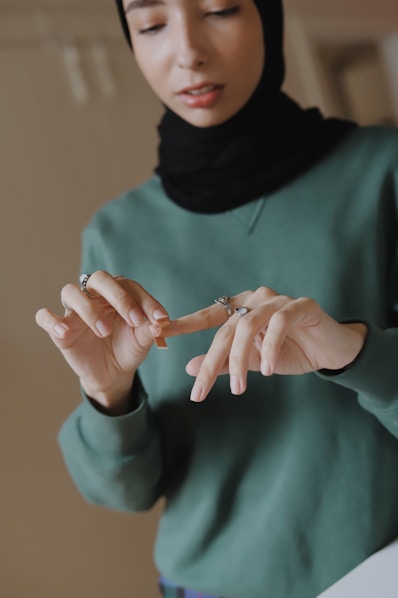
[[77, 128]]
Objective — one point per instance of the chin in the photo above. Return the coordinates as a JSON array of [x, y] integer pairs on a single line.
[[203, 121]]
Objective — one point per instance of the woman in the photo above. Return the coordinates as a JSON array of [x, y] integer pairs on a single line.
[[279, 477]]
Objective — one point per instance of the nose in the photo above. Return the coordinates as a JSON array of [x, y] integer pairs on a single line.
[[190, 46]]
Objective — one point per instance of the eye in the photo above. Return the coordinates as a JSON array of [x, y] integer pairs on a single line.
[[150, 30], [226, 12]]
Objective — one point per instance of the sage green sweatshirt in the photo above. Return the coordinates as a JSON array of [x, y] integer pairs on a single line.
[[281, 491]]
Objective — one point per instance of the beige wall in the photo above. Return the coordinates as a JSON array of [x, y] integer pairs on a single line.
[[60, 160]]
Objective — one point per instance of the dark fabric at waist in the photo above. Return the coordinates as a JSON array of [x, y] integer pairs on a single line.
[[169, 590]]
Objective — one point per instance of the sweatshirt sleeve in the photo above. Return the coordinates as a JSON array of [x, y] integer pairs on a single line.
[[374, 376], [114, 461]]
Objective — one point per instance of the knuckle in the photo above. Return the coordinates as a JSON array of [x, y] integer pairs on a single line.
[[264, 293], [99, 275], [244, 296], [307, 302], [279, 318], [122, 297]]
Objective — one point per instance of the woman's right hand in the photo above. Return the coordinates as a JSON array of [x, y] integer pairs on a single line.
[[104, 335]]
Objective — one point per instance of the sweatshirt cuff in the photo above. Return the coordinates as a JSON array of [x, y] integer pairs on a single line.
[[374, 374], [116, 435]]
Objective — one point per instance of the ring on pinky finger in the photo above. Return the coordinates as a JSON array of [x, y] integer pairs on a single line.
[[83, 280]]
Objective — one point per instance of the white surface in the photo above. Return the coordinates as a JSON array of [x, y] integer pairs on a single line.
[[389, 51], [377, 577]]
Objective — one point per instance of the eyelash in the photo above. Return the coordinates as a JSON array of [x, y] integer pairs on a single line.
[[150, 30], [217, 13], [224, 13]]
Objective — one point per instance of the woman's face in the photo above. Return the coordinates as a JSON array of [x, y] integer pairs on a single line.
[[202, 58]]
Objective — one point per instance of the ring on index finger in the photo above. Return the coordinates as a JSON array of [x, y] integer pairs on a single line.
[[225, 302]]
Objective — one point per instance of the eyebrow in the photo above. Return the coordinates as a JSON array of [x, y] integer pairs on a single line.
[[141, 4]]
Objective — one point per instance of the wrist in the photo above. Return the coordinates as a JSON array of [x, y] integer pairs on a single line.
[[359, 331], [115, 400]]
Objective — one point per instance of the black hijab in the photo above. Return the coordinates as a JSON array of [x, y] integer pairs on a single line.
[[263, 147]]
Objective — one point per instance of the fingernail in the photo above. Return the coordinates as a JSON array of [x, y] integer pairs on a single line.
[[136, 318], [102, 327], [158, 313], [235, 386], [60, 330], [197, 392], [266, 368]]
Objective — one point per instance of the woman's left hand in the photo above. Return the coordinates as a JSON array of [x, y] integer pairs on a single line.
[[277, 335]]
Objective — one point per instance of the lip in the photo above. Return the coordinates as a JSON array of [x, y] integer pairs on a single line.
[[199, 86], [206, 94]]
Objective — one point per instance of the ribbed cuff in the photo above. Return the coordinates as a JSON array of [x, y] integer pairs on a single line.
[[123, 434], [374, 373]]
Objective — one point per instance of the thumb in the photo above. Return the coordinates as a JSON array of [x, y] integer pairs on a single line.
[[145, 335], [193, 366]]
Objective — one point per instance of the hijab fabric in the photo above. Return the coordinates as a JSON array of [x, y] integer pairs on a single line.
[[266, 145]]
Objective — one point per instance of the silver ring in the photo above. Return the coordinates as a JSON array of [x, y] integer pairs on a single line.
[[224, 301], [83, 279], [242, 311]]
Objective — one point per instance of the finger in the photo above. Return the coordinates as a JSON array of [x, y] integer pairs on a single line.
[[129, 299], [215, 315], [203, 319], [217, 356], [245, 333], [92, 311], [258, 341], [247, 329], [297, 312], [213, 363], [206, 318], [55, 326], [193, 366]]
